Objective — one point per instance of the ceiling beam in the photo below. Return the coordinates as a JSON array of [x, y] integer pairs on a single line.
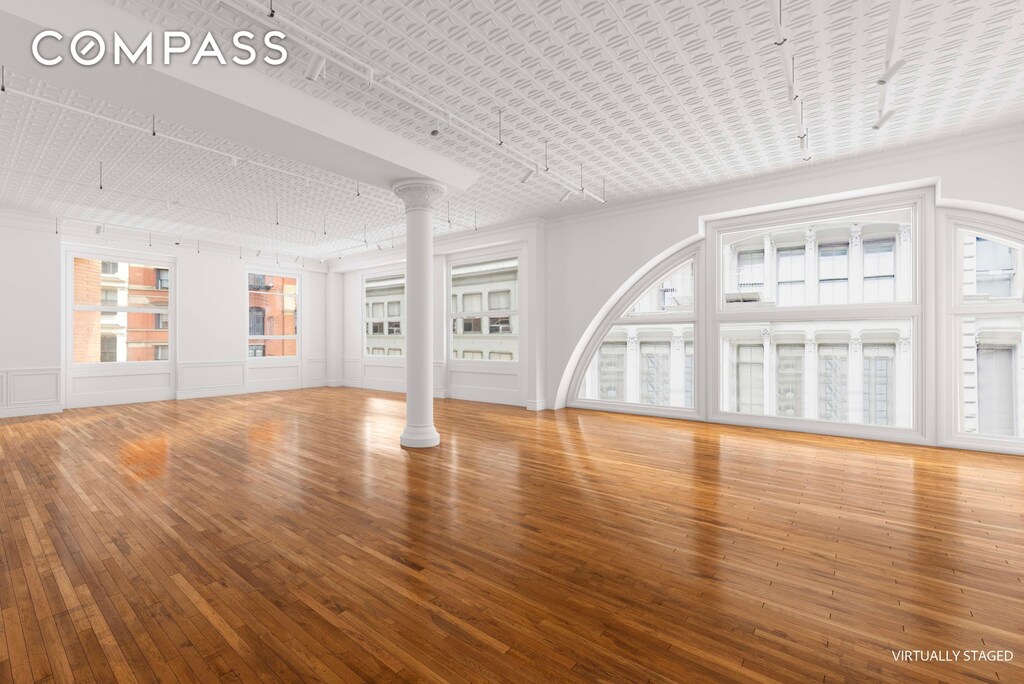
[[241, 104]]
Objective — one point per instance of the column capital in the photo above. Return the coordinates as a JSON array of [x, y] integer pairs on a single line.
[[856, 235], [855, 345], [419, 193]]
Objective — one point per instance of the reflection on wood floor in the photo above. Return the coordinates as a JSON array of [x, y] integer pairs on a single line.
[[286, 536]]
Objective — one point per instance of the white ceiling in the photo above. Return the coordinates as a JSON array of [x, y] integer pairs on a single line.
[[653, 97]]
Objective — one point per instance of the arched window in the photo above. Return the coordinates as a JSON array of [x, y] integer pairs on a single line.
[[645, 354], [986, 340]]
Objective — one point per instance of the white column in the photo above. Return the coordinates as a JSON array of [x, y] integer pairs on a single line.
[[811, 286], [855, 265], [904, 265], [632, 368], [904, 382], [810, 379], [420, 196], [769, 373], [770, 274], [855, 381]]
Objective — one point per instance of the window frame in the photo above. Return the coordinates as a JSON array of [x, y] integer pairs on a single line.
[[456, 320], [623, 315], [276, 272], [955, 308], [73, 252], [374, 341], [919, 310]]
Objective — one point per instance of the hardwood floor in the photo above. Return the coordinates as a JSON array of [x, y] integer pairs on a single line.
[[287, 537]]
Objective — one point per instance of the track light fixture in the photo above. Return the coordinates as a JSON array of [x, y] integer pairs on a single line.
[[883, 118], [316, 68], [101, 175], [272, 13], [780, 43], [153, 126], [890, 71], [56, 227], [546, 168], [3, 79], [500, 141]]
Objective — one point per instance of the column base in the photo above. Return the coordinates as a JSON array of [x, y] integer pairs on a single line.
[[420, 437]]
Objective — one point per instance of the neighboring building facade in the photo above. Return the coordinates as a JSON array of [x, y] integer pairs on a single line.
[[112, 325]]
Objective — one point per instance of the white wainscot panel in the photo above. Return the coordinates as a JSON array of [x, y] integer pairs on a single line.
[[315, 372], [133, 382], [30, 391], [270, 377], [352, 372], [210, 379], [32, 387], [384, 374], [486, 381]]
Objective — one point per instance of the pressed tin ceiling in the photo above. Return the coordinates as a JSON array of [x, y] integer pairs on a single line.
[[651, 97]]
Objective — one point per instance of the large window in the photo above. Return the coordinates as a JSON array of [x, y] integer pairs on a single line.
[[647, 357], [830, 337], [121, 312], [384, 309], [989, 327], [860, 258], [643, 364], [857, 371], [484, 316], [273, 315]]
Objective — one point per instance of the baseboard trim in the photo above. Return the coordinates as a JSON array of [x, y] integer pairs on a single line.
[[537, 405], [26, 411]]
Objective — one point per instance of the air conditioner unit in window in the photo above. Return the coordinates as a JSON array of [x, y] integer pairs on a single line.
[[744, 297]]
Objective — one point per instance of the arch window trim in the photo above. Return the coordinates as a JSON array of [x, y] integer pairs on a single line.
[[710, 311], [622, 315], [955, 309]]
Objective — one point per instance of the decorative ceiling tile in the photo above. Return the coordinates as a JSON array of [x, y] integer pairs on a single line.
[[650, 96]]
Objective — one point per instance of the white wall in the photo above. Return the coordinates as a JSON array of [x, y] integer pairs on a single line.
[[30, 328], [592, 258], [516, 383], [209, 323]]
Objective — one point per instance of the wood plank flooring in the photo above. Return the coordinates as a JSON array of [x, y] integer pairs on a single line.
[[286, 537]]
